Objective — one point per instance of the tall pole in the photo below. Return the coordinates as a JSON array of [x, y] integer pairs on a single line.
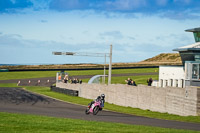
[[110, 66], [104, 77]]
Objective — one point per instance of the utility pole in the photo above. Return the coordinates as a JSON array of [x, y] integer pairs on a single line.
[[104, 73], [110, 66]]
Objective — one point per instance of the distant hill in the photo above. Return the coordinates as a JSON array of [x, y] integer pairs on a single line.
[[165, 57], [161, 59]]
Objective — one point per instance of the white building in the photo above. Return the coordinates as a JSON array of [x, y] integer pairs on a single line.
[[189, 73]]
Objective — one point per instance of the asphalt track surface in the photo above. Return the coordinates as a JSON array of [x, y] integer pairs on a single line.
[[17, 100]]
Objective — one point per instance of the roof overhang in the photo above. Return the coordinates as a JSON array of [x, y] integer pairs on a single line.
[[187, 49], [193, 47], [193, 30]]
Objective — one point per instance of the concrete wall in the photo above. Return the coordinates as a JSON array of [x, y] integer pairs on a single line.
[[180, 101]]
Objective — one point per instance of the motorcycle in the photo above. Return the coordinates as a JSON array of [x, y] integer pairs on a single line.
[[94, 107]]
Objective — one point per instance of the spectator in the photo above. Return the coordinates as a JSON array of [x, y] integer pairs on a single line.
[[133, 83], [73, 81], [66, 79], [128, 81], [76, 81], [80, 81], [59, 77], [149, 81]]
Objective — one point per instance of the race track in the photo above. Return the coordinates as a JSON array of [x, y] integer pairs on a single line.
[[17, 100]]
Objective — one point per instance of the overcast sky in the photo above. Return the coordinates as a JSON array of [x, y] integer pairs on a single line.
[[30, 30]]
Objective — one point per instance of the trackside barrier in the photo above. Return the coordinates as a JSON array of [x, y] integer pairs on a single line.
[[173, 100], [64, 91]]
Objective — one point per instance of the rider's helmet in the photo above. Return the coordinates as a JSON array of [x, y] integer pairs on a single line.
[[102, 96], [98, 98]]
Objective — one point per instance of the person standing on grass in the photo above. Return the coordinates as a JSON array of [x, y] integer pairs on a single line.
[[149, 81], [128, 81], [133, 83]]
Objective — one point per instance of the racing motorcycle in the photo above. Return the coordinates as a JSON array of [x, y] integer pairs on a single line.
[[93, 107]]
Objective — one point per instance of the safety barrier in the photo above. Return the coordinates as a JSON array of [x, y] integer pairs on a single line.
[[64, 91]]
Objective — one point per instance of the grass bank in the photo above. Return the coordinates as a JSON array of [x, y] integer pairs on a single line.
[[18, 123], [40, 74]]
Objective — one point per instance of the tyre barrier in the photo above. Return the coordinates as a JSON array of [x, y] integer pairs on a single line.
[[64, 91]]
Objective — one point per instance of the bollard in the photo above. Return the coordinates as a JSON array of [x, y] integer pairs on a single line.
[[18, 83]]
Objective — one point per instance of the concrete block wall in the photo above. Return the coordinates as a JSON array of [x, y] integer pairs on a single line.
[[173, 100], [198, 101]]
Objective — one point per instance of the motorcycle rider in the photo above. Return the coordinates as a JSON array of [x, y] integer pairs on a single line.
[[101, 98]]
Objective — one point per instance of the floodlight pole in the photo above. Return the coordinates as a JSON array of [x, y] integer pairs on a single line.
[[104, 77], [110, 66], [94, 55]]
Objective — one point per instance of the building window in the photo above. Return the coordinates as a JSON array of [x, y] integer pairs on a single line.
[[199, 72], [161, 83], [177, 83], [195, 71], [182, 82], [197, 36], [171, 82], [197, 57], [166, 82]]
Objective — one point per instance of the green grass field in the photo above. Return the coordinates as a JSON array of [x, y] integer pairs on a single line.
[[18, 123], [115, 80], [30, 123], [39, 74]]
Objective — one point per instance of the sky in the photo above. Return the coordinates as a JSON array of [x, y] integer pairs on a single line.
[[30, 30]]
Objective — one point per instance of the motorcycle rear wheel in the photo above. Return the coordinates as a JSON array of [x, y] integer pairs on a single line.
[[87, 111]]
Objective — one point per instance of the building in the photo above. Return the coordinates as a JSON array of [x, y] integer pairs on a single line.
[[189, 73]]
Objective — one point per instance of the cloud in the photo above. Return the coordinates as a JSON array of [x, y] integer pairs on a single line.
[[125, 5], [11, 5], [184, 15], [62, 5], [183, 1], [162, 2], [111, 34], [10, 40], [176, 9], [40, 4], [131, 38], [43, 21], [13, 1], [25, 49]]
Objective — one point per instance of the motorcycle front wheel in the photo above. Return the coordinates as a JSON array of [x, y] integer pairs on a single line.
[[95, 110]]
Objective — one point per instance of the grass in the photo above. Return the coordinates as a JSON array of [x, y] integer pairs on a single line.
[[121, 80], [128, 110], [18, 123], [40, 74], [138, 79], [26, 74]]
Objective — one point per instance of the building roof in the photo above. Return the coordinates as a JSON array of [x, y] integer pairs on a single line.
[[193, 30], [192, 47]]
